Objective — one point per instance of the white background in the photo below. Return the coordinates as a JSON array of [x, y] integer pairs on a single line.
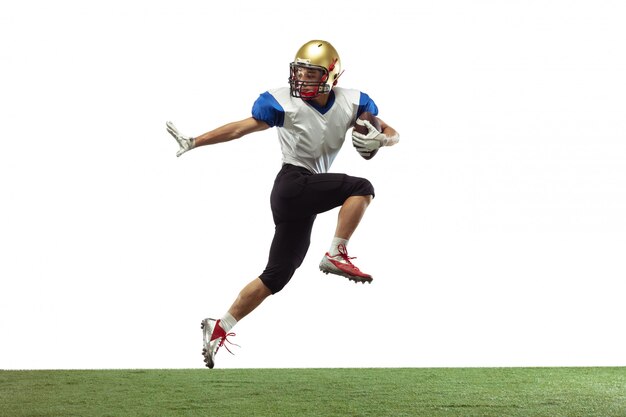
[[497, 236]]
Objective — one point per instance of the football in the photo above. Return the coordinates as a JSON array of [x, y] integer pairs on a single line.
[[363, 130]]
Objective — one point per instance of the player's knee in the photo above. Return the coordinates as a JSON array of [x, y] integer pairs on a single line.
[[276, 277], [364, 188]]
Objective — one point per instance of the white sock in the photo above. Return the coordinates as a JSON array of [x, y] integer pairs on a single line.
[[227, 322], [335, 245]]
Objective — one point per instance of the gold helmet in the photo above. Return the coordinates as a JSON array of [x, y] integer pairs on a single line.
[[315, 70]]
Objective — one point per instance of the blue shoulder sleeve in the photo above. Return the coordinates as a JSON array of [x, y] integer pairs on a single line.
[[268, 110], [366, 104]]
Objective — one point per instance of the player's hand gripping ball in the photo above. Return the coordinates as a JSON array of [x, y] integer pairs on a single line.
[[366, 135]]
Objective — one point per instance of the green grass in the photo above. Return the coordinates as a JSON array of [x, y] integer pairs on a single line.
[[550, 392]]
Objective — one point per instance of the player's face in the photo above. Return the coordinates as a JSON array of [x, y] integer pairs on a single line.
[[308, 79], [307, 82], [308, 74]]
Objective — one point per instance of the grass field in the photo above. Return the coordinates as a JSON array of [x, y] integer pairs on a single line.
[[549, 392]]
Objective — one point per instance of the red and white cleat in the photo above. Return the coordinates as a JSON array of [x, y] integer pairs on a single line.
[[214, 337], [340, 264]]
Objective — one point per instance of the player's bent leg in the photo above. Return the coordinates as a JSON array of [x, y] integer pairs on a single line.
[[289, 246]]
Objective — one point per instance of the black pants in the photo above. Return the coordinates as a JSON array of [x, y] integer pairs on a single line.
[[297, 197]]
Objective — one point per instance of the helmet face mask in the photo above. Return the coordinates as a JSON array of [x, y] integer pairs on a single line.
[[315, 70], [307, 81]]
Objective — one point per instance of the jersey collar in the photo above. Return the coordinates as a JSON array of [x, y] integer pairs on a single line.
[[329, 103]]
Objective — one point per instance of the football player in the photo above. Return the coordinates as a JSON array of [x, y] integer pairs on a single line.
[[312, 117]]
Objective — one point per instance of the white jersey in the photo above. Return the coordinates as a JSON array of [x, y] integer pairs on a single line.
[[310, 136]]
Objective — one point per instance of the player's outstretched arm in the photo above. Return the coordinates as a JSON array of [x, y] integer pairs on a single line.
[[224, 133]]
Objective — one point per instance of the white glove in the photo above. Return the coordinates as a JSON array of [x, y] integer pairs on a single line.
[[367, 145], [186, 143], [370, 142]]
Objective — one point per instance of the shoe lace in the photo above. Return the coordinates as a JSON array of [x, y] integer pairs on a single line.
[[224, 339], [343, 252]]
